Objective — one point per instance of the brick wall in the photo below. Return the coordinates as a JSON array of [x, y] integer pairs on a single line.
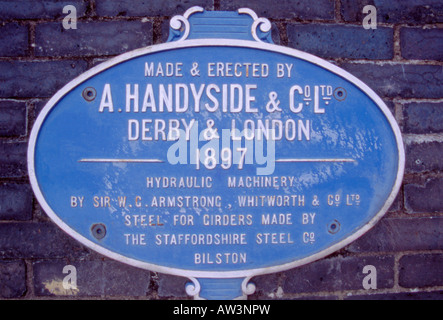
[[402, 60]]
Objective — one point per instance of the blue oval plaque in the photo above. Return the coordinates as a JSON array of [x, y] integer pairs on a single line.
[[217, 160]]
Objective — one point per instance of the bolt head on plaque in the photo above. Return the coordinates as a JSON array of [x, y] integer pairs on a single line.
[[216, 156]]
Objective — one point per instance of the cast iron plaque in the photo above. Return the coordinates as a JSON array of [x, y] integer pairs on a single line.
[[216, 156]]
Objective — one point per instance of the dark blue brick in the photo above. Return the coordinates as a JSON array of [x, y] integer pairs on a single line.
[[335, 274], [423, 117], [13, 159], [399, 234], [146, 8], [15, 202], [39, 105], [92, 38], [12, 118], [425, 156], [121, 279], [20, 240], [39, 9], [418, 43], [12, 279], [267, 286], [340, 41], [400, 80], [405, 11], [302, 9], [396, 205], [421, 270], [37, 78], [172, 286], [424, 198], [94, 278], [13, 40], [164, 31]]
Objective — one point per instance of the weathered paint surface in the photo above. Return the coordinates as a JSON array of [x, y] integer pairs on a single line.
[[105, 168]]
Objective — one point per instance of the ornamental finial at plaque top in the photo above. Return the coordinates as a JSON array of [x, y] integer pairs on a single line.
[[194, 22], [277, 158]]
